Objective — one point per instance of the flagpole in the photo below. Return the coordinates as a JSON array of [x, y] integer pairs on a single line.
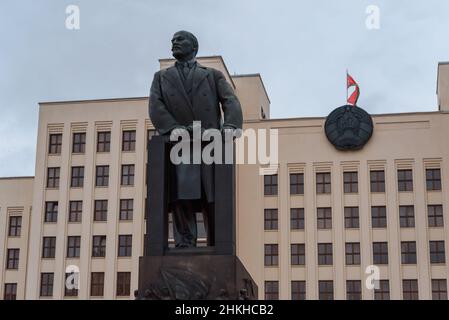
[[346, 85]]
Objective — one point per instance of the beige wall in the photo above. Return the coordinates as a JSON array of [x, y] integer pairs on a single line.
[[15, 200]]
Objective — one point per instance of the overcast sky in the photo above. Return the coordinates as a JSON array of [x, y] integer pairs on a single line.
[[300, 48]]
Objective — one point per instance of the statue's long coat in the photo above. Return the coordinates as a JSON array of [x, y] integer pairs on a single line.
[[171, 105]]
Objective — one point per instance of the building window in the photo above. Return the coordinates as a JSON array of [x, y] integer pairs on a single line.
[[439, 289], [271, 255], [325, 254], [73, 291], [324, 218], [297, 218], [383, 293], [48, 247], [433, 179], [102, 176], [46, 289], [408, 252], [380, 252], [407, 216], [125, 243], [75, 211], [97, 284], [104, 141], [10, 291], [270, 185], [350, 182], [379, 217], [12, 259], [323, 182], [77, 179], [298, 290], [437, 252], [353, 290], [15, 226], [351, 217], [53, 178], [123, 283], [352, 253], [271, 219], [435, 215], [55, 145], [99, 246], [296, 183], [271, 290], [410, 289], [101, 210], [129, 140], [127, 175], [126, 209], [377, 180], [298, 254], [405, 180], [73, 246], [51, 211], [326, 289], [79, 142]]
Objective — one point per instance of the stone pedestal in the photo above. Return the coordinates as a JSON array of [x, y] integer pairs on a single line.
[[196, 273], [194, 276]]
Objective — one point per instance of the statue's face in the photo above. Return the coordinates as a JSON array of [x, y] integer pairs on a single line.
[[182, 46]]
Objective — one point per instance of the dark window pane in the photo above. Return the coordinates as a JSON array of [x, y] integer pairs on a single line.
[[323, 182], [351, 217], [377, 181], [77, 179], [123, 283], [271, 290], [324, 218], [271, 219], [407, 216], [55, 144], [435, 215], [296, 183], [79, 142], [15, 226], [126, 209], [104, 141], [271, 185], [53, 178], [298, 290], [125, 245], [129, 140], [325, 254], [75, 211], [297, 218], [271, 255], [379, 217], [350, 182], [102, 176], [326, 290], [46, 289]]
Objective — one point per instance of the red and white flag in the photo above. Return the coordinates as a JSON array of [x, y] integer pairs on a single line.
[[350, 82]]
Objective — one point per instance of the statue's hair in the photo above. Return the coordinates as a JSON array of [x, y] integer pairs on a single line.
[[191, 38]]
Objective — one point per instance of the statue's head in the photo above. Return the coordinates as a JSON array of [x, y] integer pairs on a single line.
[[184, 45]]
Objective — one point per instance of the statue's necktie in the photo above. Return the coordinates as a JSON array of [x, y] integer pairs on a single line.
[[186, 69]]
